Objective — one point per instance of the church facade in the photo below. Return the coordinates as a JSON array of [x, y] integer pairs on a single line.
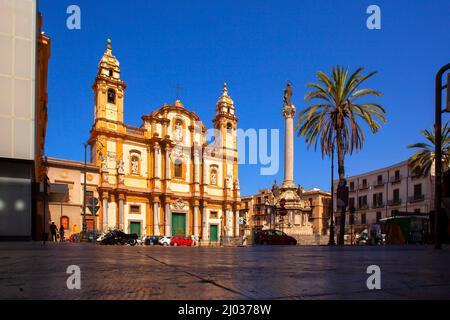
[[163, 178]]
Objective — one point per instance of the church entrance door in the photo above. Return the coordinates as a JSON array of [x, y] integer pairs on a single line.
[[178, 224], [213, 232], [135, 227]]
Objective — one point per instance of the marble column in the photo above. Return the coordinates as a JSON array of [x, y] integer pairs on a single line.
[[187, 224], [105, 211], [219, 231], [156, 218], [205, 234], [195, 220], [121, 212], [288, 114], [236, 225], [168, 218], [228, 222]]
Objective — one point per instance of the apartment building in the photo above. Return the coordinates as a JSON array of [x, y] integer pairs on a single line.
[[386, 192]]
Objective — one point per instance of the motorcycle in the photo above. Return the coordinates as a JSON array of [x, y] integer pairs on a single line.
[[115, 237]]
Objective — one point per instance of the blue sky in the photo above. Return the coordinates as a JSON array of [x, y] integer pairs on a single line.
[[255, 46]]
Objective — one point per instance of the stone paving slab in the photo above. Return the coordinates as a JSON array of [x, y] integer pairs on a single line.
[[35, 271]]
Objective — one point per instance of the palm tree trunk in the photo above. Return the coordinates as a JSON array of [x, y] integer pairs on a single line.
[[342, 183]]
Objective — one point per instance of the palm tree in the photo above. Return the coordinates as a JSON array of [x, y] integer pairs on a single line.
[[422, 160], [334, 118]]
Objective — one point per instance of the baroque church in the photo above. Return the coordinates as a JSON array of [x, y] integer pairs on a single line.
[[163, 178]]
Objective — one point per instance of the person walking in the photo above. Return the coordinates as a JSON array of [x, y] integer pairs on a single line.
[[61, 233], [53, 230]]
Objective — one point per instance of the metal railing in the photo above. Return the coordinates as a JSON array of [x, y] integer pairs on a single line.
[[395, 202], [377, 205], [395, 179], [379, 183], [364, 186], [416, 198]]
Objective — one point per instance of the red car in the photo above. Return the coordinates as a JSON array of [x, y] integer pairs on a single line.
[[181, 241], [274, 237]]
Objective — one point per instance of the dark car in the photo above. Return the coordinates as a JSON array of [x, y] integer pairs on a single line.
[[152, 240], [275, 237]]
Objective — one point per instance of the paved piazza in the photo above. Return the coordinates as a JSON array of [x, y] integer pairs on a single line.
[[37, 271]]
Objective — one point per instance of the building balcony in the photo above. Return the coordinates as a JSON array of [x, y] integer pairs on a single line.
[[396, 179], [378, 184], [395, 202], [377, 205], [363, 207], [417, 198], [415, 176], [364, 186]]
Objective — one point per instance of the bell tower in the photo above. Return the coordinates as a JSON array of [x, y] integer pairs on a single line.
[[225, 124], [108, 90]]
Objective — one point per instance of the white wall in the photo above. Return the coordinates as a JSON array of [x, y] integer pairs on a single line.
[[17, 78]]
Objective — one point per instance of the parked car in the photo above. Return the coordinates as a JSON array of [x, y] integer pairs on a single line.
[[165, 240], [275, 237], [181, 241], [152, 240]]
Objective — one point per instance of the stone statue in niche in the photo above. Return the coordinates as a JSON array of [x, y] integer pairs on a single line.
[[178, 133], [213, 177], [134, 165]]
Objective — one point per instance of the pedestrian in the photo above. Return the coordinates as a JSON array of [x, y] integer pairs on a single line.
[[53, 229], [61, 233], [244, 240]]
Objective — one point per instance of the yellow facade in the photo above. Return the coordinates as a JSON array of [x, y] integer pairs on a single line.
[[163, 172]]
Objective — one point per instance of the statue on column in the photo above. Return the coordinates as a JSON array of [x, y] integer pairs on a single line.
[[288, 106], [288, 94]]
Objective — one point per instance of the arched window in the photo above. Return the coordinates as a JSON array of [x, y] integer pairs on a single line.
[[65, 222], [178, 169], [111, 96], [229, 127], [110, 73]]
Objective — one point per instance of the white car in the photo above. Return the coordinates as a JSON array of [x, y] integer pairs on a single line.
[[165, 241]]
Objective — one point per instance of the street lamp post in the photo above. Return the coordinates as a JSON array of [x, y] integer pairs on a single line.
[[332, 242], [438, 150], [84, 235], [44, 234]]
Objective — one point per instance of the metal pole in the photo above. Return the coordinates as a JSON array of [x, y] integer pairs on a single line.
[[44, 239], [331, 242], [84, 235], [438, 154]]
